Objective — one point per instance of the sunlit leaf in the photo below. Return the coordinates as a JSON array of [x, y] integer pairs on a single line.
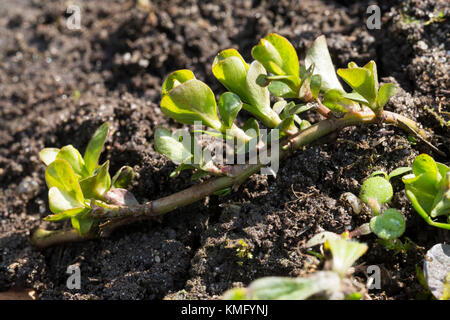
[[387, 90], [95, 147], [176, 78], [60, 174], [345, 253], [98, 184], [74, 158], [318, 55], [279, 57], [61, 200], [123, 177], [170, 146], [229, 107], [48, 155], [388, 225], [191, 101]]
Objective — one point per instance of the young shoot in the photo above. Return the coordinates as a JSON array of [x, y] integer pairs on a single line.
[[334, 282], [78, 184]]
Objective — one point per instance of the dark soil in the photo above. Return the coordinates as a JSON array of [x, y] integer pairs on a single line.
[[116, 65]]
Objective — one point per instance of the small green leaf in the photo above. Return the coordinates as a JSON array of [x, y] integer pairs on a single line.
[[176, 78], [345, 253], [60, 174], [231, 70], [398, 172], [95, 186], [235, 294], [66, 214], [229, 107], [83, 222], [315, 85], [387, 90], [191, 101], [74, 158], [282, 288], [359, 80], [279, 57], [424, 181], [61, 200], [355, 96], [441, 204], [281, 90], [319, 55], [95, 147], [388, 225], [123, 177], [287, 125], [170, 146], [378, 189], [334, 101], [223, 192], [48, 155], [251, 128], [279, 106]]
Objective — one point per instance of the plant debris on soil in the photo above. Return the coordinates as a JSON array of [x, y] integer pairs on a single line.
[[58, 85]]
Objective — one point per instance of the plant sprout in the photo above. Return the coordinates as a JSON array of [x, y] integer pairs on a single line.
[[83, 191], [428, 189], [77, 184], [332, 283]]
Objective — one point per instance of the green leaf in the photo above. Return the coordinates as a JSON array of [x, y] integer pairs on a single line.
[[83, 222], [281, 89], [94, 187], [231, 70], [355, 96], [229, 107], [315, 85], [191, 101], [123, 177], [389, 225], [223, 192], [61, 200], [235, 294], [257, 95], [251, 128], [378, 189], [66, 214], [335, 101], [48, 155], [282, 288], [360, 81], [441, 204], [293, 108], [319, 55], [74, 158], [345, 253], [279, 106], [287, 125], [60, 174], [398, 172], [170, 146], [95, 147], [279, 57], [176, 78], [387, 90], [424, 181]]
